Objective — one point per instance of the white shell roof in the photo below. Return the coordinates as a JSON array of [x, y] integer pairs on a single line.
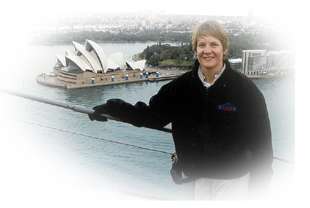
[[112, 65], [116, 60], [77, 60], [92, 58], [88, 56], [137, 64], [89, 45], [61, 60]]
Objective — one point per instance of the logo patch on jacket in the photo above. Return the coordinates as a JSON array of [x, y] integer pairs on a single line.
[[227, 107]]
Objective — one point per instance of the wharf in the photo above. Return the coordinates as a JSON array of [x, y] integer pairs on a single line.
[[57, 80]]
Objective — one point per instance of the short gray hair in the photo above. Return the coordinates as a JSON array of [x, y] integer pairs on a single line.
[[212, 28]]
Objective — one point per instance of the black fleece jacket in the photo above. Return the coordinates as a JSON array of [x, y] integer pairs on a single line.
[[220, 132]]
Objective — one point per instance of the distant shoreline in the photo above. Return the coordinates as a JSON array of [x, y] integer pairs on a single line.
[[260, 76], [98, 41]]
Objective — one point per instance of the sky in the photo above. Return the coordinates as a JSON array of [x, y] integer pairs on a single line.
[[38, 9], [19, 17]]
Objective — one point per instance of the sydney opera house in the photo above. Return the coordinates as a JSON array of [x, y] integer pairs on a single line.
[[88, 65]]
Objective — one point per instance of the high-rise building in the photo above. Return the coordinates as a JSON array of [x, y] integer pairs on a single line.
[[258, 62], [254, 62]]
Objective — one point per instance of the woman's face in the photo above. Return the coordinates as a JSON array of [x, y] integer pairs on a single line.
[[210, 53]]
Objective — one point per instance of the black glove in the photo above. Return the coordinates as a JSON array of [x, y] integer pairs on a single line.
[[114, 107], [96, 117]]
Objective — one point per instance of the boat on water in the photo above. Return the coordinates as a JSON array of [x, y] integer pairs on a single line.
[[89, 66]]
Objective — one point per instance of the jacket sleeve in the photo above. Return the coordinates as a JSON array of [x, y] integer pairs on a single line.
[[260, 141], [156, 114]]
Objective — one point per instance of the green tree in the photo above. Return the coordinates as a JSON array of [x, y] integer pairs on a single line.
[[153, 60]]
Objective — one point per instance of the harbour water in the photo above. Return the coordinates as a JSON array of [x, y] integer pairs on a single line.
[[131, 170]]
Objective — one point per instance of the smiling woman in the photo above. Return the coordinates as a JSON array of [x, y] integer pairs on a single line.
[[38, 183], [220, 129], [210, 44]]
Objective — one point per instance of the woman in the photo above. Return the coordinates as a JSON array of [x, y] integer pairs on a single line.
[[219, 119]]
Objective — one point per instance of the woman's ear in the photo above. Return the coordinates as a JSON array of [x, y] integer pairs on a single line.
[[225, 54]]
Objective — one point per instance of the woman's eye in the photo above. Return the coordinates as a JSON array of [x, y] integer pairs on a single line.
[[214, 44]]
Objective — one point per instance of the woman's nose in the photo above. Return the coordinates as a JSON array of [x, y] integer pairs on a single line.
[[207, 49]]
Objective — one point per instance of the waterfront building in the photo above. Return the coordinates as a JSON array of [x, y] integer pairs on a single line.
[[253, 62], [236, 64], [263, 62], [89, 65]]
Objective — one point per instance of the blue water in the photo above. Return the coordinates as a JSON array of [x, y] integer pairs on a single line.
[[136, 171]]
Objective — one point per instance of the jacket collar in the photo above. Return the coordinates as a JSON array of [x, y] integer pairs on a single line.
[[221, 80]]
